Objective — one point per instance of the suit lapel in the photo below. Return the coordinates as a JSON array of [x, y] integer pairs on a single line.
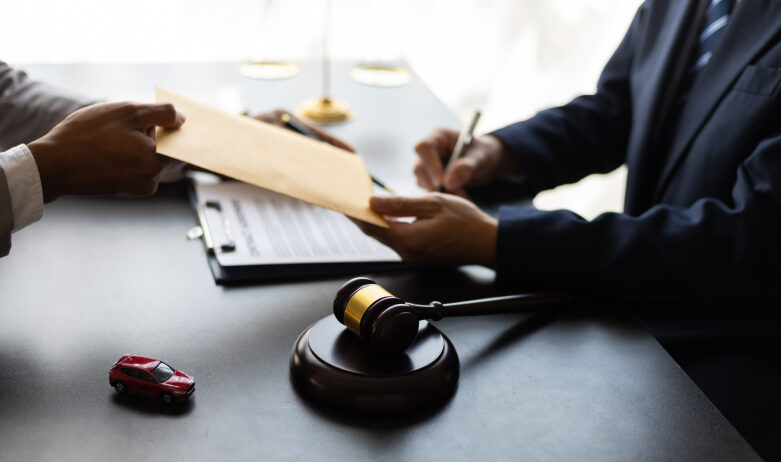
[[753, 24], [651, 91]]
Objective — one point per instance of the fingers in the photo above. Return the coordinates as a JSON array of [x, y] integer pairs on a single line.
[[321, 134], [460, 173], [424, 180], [395, 236], [398, 206], [432, 151], [162, 114], [381, 234], [271, 117], [328, 138], [429, 168], [430, 161], [275, 118]]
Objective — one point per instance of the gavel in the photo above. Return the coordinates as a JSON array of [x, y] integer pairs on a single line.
[[389, 325]]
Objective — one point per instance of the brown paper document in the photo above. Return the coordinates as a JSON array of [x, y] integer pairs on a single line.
[[270, 157]]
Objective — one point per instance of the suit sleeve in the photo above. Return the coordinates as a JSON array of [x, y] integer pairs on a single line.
[[6, 216], [29, 109], [711, 250], [588, 135]]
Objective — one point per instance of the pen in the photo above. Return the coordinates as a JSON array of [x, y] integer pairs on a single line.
[[463, 142], [292, 124]]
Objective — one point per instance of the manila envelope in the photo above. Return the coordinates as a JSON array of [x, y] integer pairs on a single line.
[[270, 157]]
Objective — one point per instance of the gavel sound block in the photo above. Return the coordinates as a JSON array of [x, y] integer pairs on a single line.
[[378, 353], [332, 365]]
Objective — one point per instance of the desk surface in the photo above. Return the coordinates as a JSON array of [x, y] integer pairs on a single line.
[[100, 277]]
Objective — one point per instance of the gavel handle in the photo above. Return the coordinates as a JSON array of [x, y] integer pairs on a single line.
[[520, 303]]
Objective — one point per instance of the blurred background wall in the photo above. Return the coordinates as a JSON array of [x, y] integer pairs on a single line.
[[508, 57]]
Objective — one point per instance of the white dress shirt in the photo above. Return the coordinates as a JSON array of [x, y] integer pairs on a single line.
[[24, 185]]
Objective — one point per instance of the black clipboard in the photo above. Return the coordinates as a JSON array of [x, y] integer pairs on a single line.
[[238, 275]]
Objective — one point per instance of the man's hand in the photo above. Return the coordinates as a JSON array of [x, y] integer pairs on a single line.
[[447, 230], [275, 118], [484, 159], [105, 149]]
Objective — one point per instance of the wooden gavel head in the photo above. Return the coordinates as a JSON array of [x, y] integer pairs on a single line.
[[390, 325], [382, 321]]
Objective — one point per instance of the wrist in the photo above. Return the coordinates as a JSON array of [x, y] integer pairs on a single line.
[[508, 165], [487, 238], [49, 168]]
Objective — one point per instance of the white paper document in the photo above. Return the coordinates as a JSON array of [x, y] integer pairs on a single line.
[[254, 226]]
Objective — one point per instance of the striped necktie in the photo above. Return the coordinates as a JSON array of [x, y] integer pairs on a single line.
[[714, 22], [716, 17]]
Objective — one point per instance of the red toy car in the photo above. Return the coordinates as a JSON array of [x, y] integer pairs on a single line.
[[149, 376]]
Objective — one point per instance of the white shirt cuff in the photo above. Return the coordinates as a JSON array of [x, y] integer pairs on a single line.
[[24, 185]]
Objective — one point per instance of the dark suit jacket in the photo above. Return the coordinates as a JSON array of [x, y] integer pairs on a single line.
[[702, 214]]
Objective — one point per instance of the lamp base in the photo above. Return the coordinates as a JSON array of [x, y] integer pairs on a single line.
[[326, 111], [331, 365]]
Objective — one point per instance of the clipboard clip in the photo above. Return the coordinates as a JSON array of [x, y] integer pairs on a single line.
[[202, 230]]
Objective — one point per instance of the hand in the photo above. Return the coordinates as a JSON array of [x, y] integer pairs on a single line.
[[273, 118], [485, 157], [448, 230], [105, 149]]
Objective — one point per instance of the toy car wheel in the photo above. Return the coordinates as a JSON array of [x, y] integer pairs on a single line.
[[120, 387], [167, 398]]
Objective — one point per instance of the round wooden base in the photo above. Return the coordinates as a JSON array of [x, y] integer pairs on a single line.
[[331, 365]]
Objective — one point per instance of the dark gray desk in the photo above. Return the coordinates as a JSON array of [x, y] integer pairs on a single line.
[[101, 277]]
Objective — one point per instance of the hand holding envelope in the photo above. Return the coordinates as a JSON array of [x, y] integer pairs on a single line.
[[270, 157]]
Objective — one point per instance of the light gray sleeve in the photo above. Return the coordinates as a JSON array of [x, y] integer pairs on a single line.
[[6, 216], [29, 109]]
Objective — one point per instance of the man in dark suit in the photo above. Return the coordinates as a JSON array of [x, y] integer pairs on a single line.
[[691, 103]]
